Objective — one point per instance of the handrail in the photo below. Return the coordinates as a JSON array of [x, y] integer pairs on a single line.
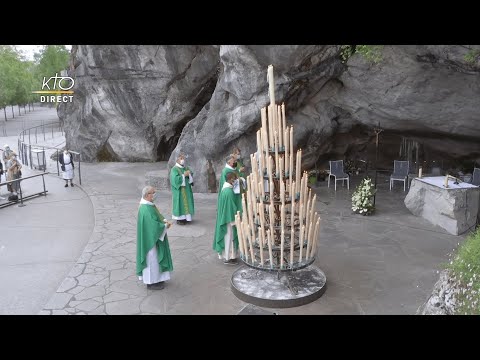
[[25, 148], [44, 192]]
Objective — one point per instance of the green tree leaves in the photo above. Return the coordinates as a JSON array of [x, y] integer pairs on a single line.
[[19, 77], [372, 53]]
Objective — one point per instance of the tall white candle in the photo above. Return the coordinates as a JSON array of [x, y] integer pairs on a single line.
[[291, 139], [281, 171], [285, 154], [282, 217], [282, 192], [297, 169], [280, 127], [302, 231], [277, 167], [309, 241], [271, 84], [261, 242], [271, 128], [244, 238], [239, 233], [269, 241], [284, 121], [315, 236], [290, 173], [270, 171], [292, 245], [282, 240], [263, 112]]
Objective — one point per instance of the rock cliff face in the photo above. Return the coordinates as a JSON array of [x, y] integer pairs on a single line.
[[148, 103], [131, 102]]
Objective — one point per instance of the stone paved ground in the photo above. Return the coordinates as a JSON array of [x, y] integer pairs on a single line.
[[383, 264]]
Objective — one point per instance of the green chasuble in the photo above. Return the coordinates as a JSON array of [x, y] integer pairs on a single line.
[[223, 179], [226, 210], [150, 227], [182, 196]]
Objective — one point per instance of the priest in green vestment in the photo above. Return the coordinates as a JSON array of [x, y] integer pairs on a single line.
[[238, 189], [181, 182], [154, 261], [225, 241]]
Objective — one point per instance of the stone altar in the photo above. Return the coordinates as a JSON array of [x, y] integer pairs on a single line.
[[454, 209]]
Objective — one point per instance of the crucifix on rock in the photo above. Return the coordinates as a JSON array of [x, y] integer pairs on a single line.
[[376, 130]]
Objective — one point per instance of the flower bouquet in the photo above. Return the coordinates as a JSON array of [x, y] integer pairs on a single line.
[[362, 198]]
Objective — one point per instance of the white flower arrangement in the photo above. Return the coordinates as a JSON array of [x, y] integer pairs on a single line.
[[362, 198]]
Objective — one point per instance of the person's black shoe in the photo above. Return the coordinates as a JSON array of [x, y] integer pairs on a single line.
[[71, 184], [230, 262], [66, 185], [156, 286]]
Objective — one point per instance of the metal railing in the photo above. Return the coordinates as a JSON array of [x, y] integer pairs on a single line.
[[22, 198], [26, 149]]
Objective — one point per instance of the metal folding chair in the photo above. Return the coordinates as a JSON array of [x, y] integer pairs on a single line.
[[400, 173], [336, 170]]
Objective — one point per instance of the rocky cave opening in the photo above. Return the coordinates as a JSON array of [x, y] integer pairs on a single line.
[[358, 150]]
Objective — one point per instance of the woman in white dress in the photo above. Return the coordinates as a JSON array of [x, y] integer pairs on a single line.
[[66, 161]]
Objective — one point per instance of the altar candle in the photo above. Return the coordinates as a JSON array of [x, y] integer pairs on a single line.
[[420, 172], [446, 181], [282, 217], [284, 121]]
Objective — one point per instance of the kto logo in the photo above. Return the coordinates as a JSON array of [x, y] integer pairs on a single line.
[[60, 85]]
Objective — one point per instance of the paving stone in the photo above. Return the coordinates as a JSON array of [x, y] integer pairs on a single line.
[[90, 292], [58, 301], [124, 307], [89, 279], [115, 296], [88, 305], [120, 274], [59, 312], [67, 284]]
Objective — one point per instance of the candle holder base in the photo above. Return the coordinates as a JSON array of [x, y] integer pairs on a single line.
[[278, 289]]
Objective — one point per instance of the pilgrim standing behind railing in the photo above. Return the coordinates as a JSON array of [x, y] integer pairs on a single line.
[[66, 161]]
